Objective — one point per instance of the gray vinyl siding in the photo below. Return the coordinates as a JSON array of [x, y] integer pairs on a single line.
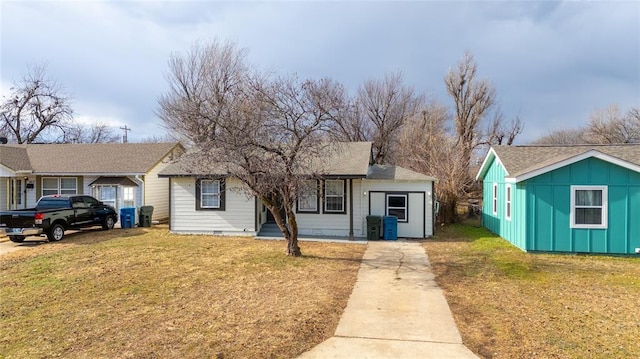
[[334, 224], [238, 218], [156, 192]]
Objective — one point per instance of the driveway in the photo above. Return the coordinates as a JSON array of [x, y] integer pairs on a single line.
[[6, 246]]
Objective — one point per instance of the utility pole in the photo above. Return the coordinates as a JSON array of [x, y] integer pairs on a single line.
[[126, 130]]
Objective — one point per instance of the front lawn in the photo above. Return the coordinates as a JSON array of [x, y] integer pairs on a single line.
[[144, 293], [510, 304]]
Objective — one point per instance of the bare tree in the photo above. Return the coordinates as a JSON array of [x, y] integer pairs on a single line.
[[499, 133], [610, 126], [35, 109], [163, 138], [563, 137], [265, 132], [93, 133], [427, 146], [606, 126], [204, 87], [377, 114], [472, 100]]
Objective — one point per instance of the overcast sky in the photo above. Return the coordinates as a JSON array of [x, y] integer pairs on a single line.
[[552, 63]]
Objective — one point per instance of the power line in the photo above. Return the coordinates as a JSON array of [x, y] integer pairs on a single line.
[[126, 130]]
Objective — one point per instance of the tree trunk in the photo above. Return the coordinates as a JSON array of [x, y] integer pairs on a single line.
[[292, 246], [289, 230], [448, 211]]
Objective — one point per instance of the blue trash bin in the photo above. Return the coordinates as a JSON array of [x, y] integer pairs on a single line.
[[390, 228], [127, 217]]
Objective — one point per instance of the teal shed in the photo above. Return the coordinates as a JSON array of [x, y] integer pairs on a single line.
[[571, 199]]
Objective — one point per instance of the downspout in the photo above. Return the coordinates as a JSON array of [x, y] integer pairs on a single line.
[[351, 209]]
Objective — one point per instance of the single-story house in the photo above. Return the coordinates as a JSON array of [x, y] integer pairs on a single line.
[[118, 174], [576, 199], [351, 188]]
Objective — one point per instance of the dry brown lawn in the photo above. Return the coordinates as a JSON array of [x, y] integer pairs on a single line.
[[144, 293], [510, 304]]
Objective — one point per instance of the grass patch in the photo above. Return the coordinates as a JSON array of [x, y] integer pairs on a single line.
[[145, 293], [511, 304]]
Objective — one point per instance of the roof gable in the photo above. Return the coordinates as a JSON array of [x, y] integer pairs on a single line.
[[100, 158], [524, 162]]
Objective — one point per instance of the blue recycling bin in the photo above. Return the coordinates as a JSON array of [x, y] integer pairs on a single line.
[[127, 217], [390, 228]]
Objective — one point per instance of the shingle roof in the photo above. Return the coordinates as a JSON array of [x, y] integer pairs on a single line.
[[15, 158], [103, 158], [395, 173], [347, 159], [519, 160]]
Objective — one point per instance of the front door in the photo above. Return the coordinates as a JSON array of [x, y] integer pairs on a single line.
[[270, 217]]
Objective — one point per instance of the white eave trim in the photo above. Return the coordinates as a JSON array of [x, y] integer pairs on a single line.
[[487, 159], [574, 159]]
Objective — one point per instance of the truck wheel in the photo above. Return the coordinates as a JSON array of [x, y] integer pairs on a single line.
[[108, 223], [16, 239], [56, 233]]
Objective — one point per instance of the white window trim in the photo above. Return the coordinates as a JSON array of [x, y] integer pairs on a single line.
[[313, 194], [605, 210], [342, 197], [214, 194], [508, 201], [494, 199], [59, 185], [405, 208]]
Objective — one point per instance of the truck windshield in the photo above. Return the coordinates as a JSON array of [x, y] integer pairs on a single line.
[[50, 203]]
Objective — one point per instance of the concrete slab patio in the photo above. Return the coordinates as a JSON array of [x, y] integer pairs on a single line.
[[396, 310]]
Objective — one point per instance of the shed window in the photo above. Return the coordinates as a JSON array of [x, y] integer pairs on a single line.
[[588, 206], [397, 206], [494, 202], [210, 194], [334, 196], [507, 204]]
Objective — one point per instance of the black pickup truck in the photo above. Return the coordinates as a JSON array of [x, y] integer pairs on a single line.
[[56, 213]]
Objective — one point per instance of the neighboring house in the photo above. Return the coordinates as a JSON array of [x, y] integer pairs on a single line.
[[579, 199], [351, 189], [118, 174]]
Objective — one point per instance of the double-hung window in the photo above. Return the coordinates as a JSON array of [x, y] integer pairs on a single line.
[[588, 206], [334, 196], [308, 198], [59, 185], [210, 194]]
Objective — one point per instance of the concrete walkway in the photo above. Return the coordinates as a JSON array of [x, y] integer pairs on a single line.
[[396, 310]]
